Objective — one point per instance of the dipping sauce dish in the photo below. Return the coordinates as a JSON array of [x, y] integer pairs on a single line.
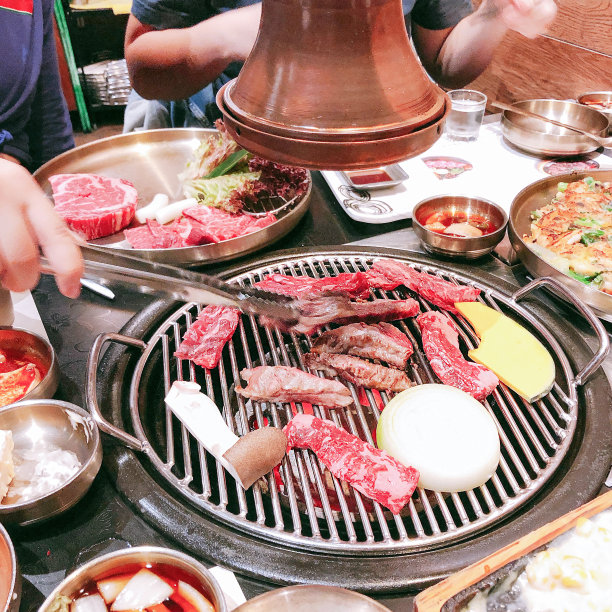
[[433, 217]]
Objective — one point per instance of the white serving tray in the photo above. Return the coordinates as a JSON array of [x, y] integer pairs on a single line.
[[499, 171]]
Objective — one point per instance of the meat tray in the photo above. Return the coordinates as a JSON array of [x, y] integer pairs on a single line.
[[152, 161], [454, 592]]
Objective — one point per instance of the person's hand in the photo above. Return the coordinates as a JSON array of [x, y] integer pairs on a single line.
[[527, 17], [27, 221]]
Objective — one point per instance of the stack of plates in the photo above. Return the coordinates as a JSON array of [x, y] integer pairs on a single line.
[[107, 83]]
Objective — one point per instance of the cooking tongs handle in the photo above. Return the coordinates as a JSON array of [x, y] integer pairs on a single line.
[[92, 396], [596, 324]]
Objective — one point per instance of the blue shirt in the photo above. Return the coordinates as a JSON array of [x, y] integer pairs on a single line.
[[34, 121], [201, 108]]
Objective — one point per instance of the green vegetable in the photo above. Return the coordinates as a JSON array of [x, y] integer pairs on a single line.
[[586, 222], [562, 186], [591, 183], [213, 191], [227, 164], [591, 236], [535, 215], [583, 278]]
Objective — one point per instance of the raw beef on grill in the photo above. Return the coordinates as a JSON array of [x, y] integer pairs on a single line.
[[204, 340], [441, 345], [219, 225], [380, 341], [353, 284], [94, 206], [359, 371], [377, 280], [285, 384], [318, 311], [432, 288], [371, 471]]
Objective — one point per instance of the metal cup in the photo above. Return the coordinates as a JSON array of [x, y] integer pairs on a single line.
[[467, 110]]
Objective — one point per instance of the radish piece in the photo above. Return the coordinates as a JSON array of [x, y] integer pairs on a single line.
[[194, 597], [111, 587], [145, 589], [89, 603]]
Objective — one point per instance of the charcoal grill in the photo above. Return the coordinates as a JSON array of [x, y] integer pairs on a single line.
[[303, 525]]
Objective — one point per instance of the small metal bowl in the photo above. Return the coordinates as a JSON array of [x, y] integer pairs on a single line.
[[66, 426], [309, 597], [456, 246], [592, 98], [139, 556], [37, 349], [543, 138], [10, 578]]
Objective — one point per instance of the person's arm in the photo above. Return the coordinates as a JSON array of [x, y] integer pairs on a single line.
[[28, 220], [176, 63], [49, 127], [457, 55]]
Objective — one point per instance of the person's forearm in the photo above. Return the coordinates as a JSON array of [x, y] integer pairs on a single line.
[[469, 48], [174, 64]]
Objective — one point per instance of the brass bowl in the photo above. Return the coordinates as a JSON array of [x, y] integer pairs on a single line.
[[138, 556], [593, 97], [64, 425], [33, 346], [10, 578], [456, 246], [310, 598], [543, 138]]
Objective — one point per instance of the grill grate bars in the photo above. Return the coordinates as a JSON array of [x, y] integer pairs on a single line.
[[301, 503]]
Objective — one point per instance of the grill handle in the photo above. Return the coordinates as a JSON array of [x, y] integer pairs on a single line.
[[589, 315], [91, 396]]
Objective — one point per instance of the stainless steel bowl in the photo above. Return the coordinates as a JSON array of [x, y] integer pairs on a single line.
[[311, 598], [138, 556], [593, 97], [66, 426], [36, 348], [456, 246], [10, 578], [543, 138]]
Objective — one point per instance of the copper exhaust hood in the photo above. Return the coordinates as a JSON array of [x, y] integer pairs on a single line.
[[333, 85]]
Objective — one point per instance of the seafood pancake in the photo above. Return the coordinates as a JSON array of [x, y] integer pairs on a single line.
[[574, 232]]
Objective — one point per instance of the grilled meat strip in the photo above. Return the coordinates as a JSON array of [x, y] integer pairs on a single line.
[[379, 341], [359, 372], [441, 345], [315, 312], [432, 288], [354, 284], [371, 471], [286, 384]]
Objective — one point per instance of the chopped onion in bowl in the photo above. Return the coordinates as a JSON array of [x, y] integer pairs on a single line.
[[111, 587], [145, 589], [90, 603], [194, 597]]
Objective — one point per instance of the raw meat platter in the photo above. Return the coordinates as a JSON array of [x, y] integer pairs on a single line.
[[152, 162]]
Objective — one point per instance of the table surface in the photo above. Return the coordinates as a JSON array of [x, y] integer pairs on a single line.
[[102, 521]]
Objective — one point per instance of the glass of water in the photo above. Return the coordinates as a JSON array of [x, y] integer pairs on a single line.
[[467, 110]]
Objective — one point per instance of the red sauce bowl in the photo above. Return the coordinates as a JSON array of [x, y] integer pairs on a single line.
[[22, 345], [450, 245]]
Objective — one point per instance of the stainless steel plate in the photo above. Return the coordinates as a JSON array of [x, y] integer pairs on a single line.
[[152, 161], [305, 597], [532, 197]]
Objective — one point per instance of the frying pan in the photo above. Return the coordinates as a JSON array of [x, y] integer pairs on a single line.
[[532, 197]]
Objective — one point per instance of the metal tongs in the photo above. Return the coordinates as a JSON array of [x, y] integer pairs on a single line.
[[183, 285]]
